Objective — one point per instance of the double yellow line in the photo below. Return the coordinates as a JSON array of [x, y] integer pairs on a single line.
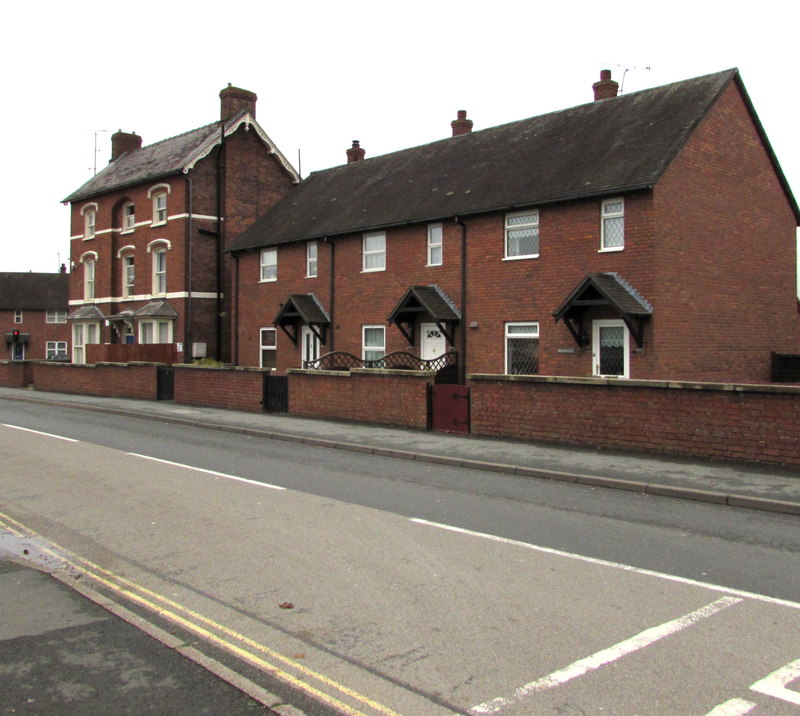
[[217, 634]]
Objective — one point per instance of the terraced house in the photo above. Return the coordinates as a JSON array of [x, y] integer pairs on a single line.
[[149, 234], [647, 235]]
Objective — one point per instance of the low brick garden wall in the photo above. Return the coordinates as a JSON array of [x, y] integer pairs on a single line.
[[215, 387], [115, 380], [753, 423]]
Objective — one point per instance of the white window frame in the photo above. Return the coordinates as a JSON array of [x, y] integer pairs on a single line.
[[81, 338], [155, 331], [435, 245], [268, 266], [626, 343], [89, 276], [159, 208], [90, 224], [128, 218], [58, 348], [128, 276], [367, 255], [56, 315], [159, 271], [509, 227], [372, 348], [18, 317], [312, 256], [266, 344], [606, 216], [533, 333]]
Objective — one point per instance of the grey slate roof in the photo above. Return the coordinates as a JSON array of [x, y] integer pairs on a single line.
[[167, 157], [605, 147], [34, 291], [86, 313], [614, 289], [431, 299]]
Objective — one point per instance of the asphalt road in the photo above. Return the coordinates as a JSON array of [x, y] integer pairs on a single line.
[[395, 587]]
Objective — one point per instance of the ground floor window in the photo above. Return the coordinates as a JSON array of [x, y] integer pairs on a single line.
[[155, 332], [268, 348], [56, 350], [610, 349], [83, 334], [522, 348], [373, 344]]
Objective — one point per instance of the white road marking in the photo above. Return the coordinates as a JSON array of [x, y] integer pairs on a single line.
[[208, 472], [606, 656], [615, 565], [775, 684], [39, 432], [734, 707]]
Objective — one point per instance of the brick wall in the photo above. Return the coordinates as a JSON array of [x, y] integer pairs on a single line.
[[709, 420], [115, 380], [235, 389], [15, 374], [388, 397]]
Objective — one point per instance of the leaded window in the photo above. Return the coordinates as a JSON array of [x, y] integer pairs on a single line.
[[522, 348]]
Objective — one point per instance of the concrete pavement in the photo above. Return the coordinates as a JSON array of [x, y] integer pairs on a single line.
[[737, 485]]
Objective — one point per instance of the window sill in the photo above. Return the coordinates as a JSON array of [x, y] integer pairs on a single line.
[[611, 250], [314, 276], [521, 258], [90, 238], [267, 280], [432, 265], [158, 223], [373, 270]]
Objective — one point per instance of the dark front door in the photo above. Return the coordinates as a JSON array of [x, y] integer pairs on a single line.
[[449, 408], [165, 383]]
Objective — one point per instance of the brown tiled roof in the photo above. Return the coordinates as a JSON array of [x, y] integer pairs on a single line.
[[605, 147], [429, 299], [34, 291], [306, 307], [613, 289], [164, 158]]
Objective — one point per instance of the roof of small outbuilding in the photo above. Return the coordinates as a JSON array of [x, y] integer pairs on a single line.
[[616, 145], [34, 291]]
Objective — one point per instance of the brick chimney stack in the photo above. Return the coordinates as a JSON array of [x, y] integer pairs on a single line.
[[355, 153], [606, 88], [233, 100], [462, 125], [122, 142]]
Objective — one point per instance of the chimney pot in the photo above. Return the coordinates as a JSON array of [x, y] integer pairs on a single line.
[[234, 100], [123, 142], [462, 125], [606, 88], [355, 153]]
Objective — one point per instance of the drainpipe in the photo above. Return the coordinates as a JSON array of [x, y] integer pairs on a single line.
[[332, 293], [462, 363], [235, 310], [187, 329], [220, 240]]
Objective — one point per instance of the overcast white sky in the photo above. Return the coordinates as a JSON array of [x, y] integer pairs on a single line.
[[392, 75]]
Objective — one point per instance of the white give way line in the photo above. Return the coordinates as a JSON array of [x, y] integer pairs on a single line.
[[39, 432]]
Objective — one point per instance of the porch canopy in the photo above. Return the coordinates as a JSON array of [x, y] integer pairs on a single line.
[[86, 313], [303, 309], [421, 301], [604, 290]]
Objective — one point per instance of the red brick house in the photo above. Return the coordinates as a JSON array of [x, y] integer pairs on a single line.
[[149, 233], [33, 313], [648, 235]]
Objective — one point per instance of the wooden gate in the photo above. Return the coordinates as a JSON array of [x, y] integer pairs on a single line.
[[276, 393], [449, 408], [165, 383]]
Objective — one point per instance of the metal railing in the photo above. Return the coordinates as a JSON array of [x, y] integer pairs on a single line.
[[399, 360]]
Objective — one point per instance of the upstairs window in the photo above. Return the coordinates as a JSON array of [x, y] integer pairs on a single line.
[[311, 259], [88, 280], [435, 245], [18, 317], [160, 208], [128, 217], [612, 225], [269, 264], [160, 271], [56, 316], [522, 348], [128, 275], [522, 235], [374, 252], [89, 224]]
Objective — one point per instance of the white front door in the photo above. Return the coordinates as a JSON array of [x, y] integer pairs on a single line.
[[310, 345], [433, 343], [610, 352]]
